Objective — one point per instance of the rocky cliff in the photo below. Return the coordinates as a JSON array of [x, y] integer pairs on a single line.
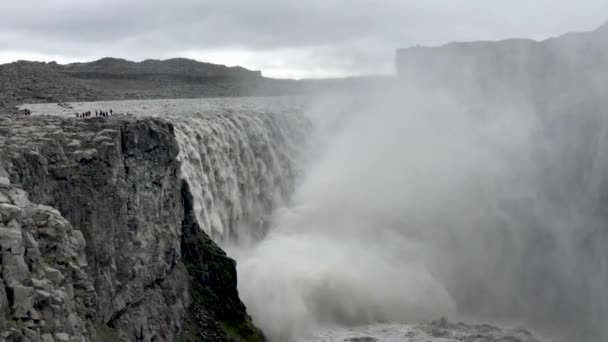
[[568, 69], [45, 294], [122, 256]]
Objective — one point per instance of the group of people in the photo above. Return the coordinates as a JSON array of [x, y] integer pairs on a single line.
[[88, 114]]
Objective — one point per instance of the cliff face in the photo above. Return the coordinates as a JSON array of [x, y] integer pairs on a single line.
[[45, 294], [559, 84], [150, 272], [568, 69]]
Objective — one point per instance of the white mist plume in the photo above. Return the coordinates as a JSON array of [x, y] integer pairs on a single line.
[[403, 217]]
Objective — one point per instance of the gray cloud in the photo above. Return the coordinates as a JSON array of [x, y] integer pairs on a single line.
[[343, 36]]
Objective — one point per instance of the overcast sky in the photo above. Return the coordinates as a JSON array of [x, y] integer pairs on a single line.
[[283, 38]]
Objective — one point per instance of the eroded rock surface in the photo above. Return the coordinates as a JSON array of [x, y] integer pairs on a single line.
[[45, 293], [116, 180]]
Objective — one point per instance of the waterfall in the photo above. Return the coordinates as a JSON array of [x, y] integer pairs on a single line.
[[401, 208], [240, 166]]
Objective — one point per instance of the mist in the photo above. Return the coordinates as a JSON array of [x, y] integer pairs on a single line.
[[417, 205]]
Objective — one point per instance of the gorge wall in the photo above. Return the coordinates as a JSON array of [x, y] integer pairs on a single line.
[[554, 88], [123, 255], [547, 74]]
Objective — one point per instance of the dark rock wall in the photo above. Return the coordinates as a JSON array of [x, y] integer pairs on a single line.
[[117, 181]]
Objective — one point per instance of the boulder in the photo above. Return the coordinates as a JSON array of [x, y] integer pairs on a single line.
[[54, 275], [23, 297], [62, 337], [19, 197]]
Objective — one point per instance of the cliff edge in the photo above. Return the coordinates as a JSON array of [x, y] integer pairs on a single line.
[[121, 257]]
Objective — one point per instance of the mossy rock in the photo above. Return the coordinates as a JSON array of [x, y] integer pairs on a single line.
[[216, 312]]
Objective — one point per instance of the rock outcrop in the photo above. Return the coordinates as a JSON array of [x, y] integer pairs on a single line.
[[45, 294], [141, 268]]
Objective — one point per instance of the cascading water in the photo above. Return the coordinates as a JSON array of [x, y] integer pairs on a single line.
[[240, 165], [396, 209], [418, 208]]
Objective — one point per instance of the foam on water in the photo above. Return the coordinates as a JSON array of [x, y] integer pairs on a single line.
[[240, 166], [409, 212]]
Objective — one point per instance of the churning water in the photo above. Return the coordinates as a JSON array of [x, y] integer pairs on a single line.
[[356, 219]]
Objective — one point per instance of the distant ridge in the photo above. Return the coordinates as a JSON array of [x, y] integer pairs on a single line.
[[174, 66], [572, 67], [120, 79]]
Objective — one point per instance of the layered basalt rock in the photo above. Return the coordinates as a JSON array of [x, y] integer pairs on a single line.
[[149, 272]]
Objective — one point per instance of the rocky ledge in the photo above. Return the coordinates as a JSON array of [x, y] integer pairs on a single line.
[[108, 249], [45, 294]]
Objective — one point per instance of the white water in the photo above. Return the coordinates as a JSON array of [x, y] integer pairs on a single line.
[[238, 154], [362, 242], [408, 210], [417, 208], [239, 166]]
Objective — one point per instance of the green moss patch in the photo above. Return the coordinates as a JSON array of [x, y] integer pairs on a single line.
[[216, 312]]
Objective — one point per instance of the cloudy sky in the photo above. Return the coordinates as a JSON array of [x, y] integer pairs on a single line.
[[283, 38]]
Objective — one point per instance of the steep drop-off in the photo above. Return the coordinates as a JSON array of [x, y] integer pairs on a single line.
[[240, 167], [552, 244], [546, 75], [152, 273], [45, 294]]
